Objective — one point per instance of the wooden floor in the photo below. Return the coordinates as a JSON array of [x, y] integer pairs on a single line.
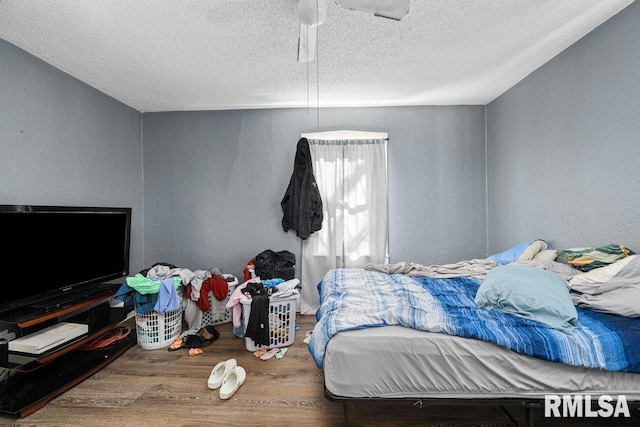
[[162, 388]]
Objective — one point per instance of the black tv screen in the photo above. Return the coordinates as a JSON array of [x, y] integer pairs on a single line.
[[50, 250]]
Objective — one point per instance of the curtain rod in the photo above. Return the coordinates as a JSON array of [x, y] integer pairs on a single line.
[[345, 134]]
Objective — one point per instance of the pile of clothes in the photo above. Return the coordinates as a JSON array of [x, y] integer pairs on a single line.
[[164, 288]]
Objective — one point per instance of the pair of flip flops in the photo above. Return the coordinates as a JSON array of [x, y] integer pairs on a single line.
[[265, 354]]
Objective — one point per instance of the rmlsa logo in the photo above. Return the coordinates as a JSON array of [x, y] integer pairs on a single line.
[[579, 405]]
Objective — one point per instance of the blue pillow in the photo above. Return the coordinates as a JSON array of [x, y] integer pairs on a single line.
[[510, 255], [531, 293]]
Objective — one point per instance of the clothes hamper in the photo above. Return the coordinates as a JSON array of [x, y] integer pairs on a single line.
[[282, 322], [157, 330], [218, 313]]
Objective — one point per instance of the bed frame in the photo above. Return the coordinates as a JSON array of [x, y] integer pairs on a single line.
[[529, 405]]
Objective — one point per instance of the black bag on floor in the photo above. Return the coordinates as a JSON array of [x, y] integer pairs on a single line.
[[271, 265]]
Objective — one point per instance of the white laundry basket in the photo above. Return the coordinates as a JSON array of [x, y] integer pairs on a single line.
[[157, 330], [282, 322]]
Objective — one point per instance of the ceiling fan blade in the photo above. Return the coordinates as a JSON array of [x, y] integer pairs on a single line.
[[393, 9], [307, 43]]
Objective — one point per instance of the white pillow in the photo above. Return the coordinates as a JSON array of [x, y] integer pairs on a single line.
[[600, 275], [547, 255], [532, 250]]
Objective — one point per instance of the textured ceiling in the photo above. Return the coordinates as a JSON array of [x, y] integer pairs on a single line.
[[171, 55]]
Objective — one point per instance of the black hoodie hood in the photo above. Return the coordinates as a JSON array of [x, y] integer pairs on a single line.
[[302, 162]]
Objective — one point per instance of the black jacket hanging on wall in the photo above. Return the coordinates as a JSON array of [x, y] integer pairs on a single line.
[[302, 205]]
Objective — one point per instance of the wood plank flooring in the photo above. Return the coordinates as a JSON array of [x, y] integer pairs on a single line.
[[162, 388]]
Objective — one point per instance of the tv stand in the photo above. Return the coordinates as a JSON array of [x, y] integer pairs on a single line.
[[28, 382]]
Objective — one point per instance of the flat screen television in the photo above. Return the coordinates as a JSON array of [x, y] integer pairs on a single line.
[[53, 251]]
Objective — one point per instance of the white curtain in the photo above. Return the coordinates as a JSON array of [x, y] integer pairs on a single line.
[[352, 179]]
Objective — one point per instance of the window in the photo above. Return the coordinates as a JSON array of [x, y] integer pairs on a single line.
[[351, 171]]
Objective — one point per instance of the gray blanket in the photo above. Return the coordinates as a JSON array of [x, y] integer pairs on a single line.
[[619, 295], [475, 268]]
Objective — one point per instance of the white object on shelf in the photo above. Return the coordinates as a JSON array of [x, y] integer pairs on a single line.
[[48, 338]]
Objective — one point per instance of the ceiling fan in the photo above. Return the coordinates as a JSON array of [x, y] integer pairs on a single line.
[[312, 13]]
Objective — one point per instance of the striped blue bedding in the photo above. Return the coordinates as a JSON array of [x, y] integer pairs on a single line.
[[357, 298]]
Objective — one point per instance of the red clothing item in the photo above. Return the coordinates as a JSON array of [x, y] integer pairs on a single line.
[[215, 284], [219, 286], [203, 300], [246, 273]]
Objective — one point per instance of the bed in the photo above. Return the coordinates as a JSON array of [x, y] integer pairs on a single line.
[[386, 336]]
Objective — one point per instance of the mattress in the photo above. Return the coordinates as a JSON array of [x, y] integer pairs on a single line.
[[400, 362]]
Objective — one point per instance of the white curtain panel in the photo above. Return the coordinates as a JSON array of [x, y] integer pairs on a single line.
[[352, 179]]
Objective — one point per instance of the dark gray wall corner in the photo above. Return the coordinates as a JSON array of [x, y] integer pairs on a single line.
[[563, 145], [65, 143]]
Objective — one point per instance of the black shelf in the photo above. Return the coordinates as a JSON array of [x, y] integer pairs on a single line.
[[28, 388], [34, 312], [28, 382]]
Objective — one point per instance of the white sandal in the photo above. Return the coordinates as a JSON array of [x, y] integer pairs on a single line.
[[232, 382], [219, 372]]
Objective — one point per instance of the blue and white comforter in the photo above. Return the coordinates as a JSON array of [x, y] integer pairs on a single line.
[[356, 298]]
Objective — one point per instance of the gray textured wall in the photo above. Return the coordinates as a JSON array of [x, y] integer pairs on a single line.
[[563, 151], [65, 143], [214, 181]]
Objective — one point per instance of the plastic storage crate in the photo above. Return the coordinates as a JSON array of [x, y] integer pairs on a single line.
[[282, 322], [218, 313], [157, 330]]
